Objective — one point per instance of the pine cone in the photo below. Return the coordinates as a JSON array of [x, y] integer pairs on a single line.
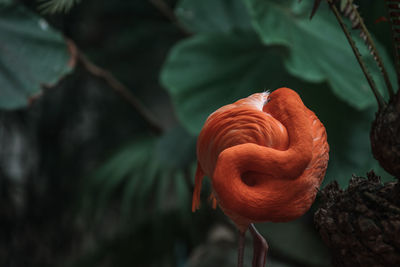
[[385, 136], [361, 225]]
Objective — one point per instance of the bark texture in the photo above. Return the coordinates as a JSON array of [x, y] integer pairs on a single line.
[[385, 136], [361, 225]]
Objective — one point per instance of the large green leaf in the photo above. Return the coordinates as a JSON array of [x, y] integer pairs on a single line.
[[318, 48], [210, 16], [208, 70], [32, 54]]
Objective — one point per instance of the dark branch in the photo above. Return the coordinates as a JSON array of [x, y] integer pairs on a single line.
[[116, 85]]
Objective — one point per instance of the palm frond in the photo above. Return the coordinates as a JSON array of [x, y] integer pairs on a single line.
[[350, 11], [147, 177], [56, 6]]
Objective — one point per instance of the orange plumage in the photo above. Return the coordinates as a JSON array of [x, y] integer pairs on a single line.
[[266, 156]]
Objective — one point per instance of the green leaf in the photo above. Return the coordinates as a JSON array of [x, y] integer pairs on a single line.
[[32, 55], [210, 16], [318, 49], [209, 70]]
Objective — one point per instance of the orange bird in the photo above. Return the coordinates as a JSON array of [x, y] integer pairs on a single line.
[[266, 156]]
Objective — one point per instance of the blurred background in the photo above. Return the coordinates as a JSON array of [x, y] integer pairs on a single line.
[[101, 103]]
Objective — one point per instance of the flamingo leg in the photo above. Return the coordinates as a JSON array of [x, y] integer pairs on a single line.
[[260, 247], [241, 248]]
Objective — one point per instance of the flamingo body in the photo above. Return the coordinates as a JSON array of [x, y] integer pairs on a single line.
[[266, 155]]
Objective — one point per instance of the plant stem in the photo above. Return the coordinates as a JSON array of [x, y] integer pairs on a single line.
[[378, 96], [115, 84], [375, 54]]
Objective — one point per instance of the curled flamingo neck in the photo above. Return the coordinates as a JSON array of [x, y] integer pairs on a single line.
[[280, 183]]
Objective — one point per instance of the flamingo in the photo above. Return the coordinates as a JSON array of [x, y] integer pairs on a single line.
[[266, 156]]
